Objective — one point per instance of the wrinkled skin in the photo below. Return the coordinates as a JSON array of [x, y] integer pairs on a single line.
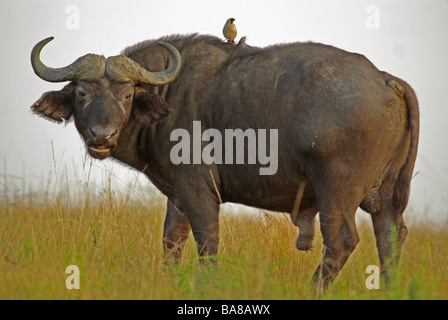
[[347, 129]]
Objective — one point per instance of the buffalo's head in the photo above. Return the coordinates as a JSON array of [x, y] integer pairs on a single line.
[[103, 94]]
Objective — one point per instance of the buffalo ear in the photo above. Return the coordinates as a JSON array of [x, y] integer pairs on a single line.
[[150, 108], [55, 105]]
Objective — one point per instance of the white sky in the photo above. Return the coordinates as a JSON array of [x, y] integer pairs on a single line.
[[410, 41]]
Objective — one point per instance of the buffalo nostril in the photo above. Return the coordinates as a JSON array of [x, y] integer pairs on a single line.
[[102, 134], [92, 131]]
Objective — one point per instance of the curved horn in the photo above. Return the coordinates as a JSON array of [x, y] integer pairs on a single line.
[[88, 66], [122, 67]]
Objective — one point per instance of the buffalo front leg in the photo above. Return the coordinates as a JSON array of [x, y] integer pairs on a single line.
[[175, 233], [205, 226], [201, 204]]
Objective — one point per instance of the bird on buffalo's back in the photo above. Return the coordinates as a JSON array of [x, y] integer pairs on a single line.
[[229, 30]]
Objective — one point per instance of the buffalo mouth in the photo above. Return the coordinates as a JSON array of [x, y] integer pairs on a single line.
[[99, 151]]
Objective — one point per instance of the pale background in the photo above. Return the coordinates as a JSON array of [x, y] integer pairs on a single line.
[[406, 38]]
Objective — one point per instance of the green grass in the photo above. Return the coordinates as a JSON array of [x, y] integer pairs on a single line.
[[117, 245]]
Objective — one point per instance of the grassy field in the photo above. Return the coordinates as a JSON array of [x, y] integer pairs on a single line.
[[116, 243]]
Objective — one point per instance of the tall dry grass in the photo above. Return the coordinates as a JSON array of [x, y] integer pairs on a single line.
[[115, 240]]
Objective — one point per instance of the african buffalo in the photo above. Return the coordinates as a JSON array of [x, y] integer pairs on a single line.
[[347, 134]]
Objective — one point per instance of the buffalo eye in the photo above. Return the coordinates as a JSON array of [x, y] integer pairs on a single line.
[[81, 94], [128, 97]]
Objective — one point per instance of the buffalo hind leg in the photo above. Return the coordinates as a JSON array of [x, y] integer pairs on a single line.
[[175, 233], [390, 233], [338, 189], [340, 239]]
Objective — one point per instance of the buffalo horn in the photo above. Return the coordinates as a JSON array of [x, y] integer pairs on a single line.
[[88, 66], [122, 67]]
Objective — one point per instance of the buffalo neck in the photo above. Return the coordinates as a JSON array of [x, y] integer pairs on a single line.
[[140, 147]]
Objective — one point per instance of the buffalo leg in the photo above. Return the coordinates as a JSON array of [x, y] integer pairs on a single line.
[[340, 239], [390, 232], [205, 226], [175, 232], [338, 194], [201, 204]]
